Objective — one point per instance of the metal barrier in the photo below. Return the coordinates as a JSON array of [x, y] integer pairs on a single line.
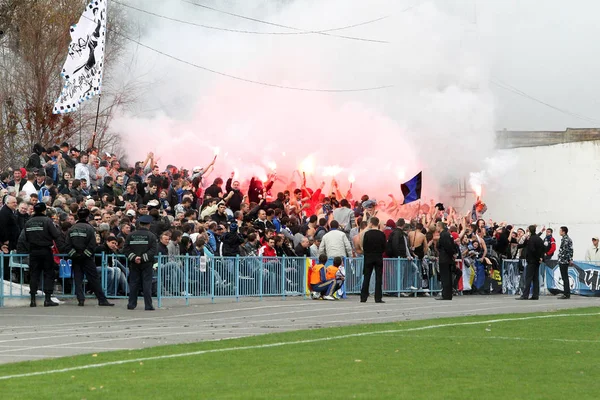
[[191, 277], [400, 276]]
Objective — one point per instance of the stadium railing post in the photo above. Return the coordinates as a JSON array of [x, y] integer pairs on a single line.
[[260, 290], [237, 277], [187, 279], [399, 266], [304, 263], [211, 262], [283, 262], [159, 281]]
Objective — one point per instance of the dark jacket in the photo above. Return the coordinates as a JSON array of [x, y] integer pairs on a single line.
[[397, 245], [159, 225], [81, 241], [235, 201], [231, 242], [141, 243], [219, 218], [301, 251], [22, 220], [9, 228], [446, 248], [374, 243], [148, 197], [502, 245], [34, 162], [133, 198], [535, 249], [39, 235], [212, 191]]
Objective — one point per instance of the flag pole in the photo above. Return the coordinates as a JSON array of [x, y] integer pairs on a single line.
[[96, 124]]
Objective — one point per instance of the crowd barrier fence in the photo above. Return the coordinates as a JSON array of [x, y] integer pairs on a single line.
[[190, 277]]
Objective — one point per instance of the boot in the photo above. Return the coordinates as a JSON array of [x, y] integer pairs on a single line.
[[80, 303], [32, 303], [48, 301]]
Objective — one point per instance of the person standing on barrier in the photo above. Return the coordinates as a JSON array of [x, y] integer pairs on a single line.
[[565, 259], [534, 255], [373, 248], [81, 245], [447, 252], [37, 239], [140, 249]]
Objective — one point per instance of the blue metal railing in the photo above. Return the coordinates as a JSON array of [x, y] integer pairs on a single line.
[[191, 277]]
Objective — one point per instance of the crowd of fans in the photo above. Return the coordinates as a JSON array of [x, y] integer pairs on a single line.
[[236, 218]]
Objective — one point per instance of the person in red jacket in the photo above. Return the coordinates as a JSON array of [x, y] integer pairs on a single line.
[[549, 244], [268, 250]]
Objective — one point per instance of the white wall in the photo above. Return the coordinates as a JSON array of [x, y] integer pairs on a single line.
[[553, 186]]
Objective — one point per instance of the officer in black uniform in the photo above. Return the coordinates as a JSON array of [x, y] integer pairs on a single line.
[[80, 245], [37, 239], [140, 249], [447, 250]]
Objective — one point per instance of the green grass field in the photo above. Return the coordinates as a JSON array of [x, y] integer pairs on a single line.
[[526, 356]]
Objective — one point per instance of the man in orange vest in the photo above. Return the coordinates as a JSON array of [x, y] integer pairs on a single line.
[[318, 279]]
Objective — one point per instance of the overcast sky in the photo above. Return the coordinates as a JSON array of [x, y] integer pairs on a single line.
[[543, 48], [546, 49]]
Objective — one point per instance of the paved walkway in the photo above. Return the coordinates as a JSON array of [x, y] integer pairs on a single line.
[[37, 333]]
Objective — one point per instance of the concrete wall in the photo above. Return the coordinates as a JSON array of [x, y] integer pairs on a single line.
[[552, 185]]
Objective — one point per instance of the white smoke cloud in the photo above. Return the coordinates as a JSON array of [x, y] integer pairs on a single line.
[[438, 117]]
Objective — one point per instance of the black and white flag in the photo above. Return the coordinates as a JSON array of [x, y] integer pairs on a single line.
[[82, 70]]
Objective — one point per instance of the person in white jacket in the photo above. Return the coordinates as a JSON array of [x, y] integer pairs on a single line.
[[335, 243], [593, 253]]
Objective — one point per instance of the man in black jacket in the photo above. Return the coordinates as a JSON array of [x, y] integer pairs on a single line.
[[397, 245], [535, 253], [140, 249], [9, 228], [237, 198], [447, 251], [81, 245], [18, 182], [373, 248], [37, 239], [231, 242]]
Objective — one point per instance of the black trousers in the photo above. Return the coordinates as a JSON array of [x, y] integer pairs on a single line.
[[370, 264], [140, 273], [532, 274], [87, 266], [41, 261], [446, 280], [564, 273]]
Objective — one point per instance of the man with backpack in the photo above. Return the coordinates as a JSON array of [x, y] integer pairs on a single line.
[[397, 244]]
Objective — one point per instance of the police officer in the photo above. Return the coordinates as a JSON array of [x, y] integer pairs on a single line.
[[37, 238], [140, 249], [80, 245], [447, 250]]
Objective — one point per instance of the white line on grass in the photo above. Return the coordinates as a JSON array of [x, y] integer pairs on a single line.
[[469, 338], [280, 344]]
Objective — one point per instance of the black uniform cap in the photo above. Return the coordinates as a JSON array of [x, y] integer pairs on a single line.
[[39, 208], [83, 214]]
